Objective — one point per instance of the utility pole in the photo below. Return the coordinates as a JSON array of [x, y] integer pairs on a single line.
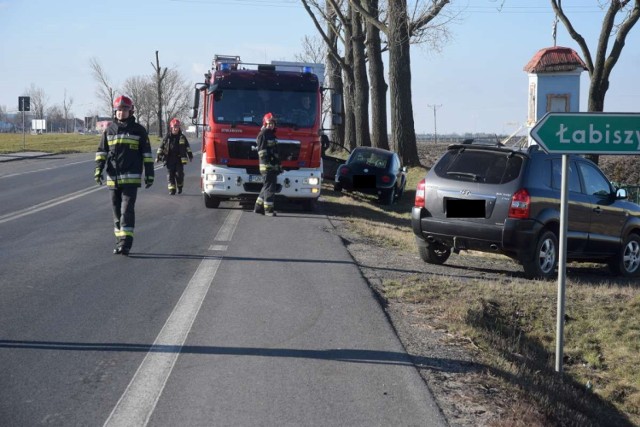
[[435, 123]]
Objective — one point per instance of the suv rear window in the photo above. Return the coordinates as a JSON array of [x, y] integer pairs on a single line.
[[491, 167]]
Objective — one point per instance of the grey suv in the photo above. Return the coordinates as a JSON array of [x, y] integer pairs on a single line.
[[507, 201]]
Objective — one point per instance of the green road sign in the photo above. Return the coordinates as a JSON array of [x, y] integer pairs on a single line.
[[588, 133]]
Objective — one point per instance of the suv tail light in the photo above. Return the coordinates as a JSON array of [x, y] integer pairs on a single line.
[[419, 202], [520, 204]]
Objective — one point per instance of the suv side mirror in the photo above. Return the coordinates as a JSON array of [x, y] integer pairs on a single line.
[[621, 193]]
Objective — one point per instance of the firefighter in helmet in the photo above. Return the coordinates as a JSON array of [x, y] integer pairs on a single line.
[[174, 152], [124, 151], [269, 165]]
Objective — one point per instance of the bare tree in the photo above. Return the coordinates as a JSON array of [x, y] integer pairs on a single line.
[[313, 50], [66, 108], [379, 130], [105, 90], [361, 82], [600, 68], [159, 77], [338, 23], [55, 118], [398, 30], [143, 94], [177, 96], [334, 74], [38, 100]]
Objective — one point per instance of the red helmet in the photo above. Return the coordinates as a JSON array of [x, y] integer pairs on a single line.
[[174, 123], [123, 101], [268, 118]]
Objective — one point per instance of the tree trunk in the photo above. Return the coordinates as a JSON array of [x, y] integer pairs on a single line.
[[159, 79], [403, 137], [334, 75], [350, 141], [379, 132], [361, 84]]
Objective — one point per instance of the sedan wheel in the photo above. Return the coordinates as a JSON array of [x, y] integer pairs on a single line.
[[545, 258], [387, 197], [627, 263]]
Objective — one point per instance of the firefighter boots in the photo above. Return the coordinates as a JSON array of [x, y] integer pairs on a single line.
[[119, 250]]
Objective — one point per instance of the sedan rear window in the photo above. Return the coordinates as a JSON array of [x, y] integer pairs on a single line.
[[480, 166]]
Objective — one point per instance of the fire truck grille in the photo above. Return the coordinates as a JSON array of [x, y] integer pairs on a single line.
[[245, 149]]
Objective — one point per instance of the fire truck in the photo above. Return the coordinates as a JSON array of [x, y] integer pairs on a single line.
[[235, 97]]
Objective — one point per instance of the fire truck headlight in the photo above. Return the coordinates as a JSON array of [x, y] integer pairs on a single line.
[[214, 177], [312, 180]]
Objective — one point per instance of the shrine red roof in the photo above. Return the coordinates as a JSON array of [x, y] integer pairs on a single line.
[[552, 59]]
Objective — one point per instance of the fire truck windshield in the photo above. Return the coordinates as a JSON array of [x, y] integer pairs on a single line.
[[247, 106]]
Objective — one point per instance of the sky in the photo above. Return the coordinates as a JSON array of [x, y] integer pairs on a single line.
[[475, 82]]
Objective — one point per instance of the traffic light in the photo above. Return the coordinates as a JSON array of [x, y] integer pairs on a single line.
[[24, 103]]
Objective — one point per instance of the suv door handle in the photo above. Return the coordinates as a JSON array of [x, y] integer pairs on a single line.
[[597, 210]]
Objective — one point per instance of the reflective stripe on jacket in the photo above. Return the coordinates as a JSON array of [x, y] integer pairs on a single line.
[[123, 151], [268, 151], [174, 148]]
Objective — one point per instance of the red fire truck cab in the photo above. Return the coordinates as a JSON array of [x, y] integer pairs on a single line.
[[235, 97]]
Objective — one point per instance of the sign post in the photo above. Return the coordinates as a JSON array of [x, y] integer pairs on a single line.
[[581, 133], [24, 104]]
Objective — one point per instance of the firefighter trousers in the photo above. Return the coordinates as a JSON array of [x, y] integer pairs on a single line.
[[268, 192], [123, 202], [175, 176]]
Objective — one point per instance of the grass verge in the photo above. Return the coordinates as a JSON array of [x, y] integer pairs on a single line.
[[56, 143], [512, 322]]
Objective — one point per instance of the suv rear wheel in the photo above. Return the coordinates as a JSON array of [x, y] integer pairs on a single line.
[[434, 253], [627, 262], [545, 258]]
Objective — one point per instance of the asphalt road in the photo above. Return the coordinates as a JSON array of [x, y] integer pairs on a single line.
[[218, 317]]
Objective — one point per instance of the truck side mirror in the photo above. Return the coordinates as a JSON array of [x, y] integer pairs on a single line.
[[336, 109], [196, 105], [336, 103]]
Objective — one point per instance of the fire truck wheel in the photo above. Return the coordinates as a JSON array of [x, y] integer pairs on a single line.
[[211, 202], [309, 205]]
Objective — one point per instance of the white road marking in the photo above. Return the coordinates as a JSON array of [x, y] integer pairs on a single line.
[[48, 204], [51, 203], [137, 403], [218, 247], [46, 169], [229, 226]]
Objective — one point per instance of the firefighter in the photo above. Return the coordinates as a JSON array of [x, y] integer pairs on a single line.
[[174, 152], [124, 149], [269, 165]]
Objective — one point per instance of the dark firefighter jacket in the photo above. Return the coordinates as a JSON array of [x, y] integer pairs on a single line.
[[174, 149], [268, 151], [125, 149]]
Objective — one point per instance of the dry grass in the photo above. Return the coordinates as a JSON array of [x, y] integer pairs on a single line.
[[58, 143], [513, 321]]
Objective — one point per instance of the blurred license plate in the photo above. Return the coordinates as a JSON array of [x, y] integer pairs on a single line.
[[256, 178], [364, 181], [457, 208]]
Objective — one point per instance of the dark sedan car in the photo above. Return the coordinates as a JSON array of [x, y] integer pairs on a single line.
[[373, 171]]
